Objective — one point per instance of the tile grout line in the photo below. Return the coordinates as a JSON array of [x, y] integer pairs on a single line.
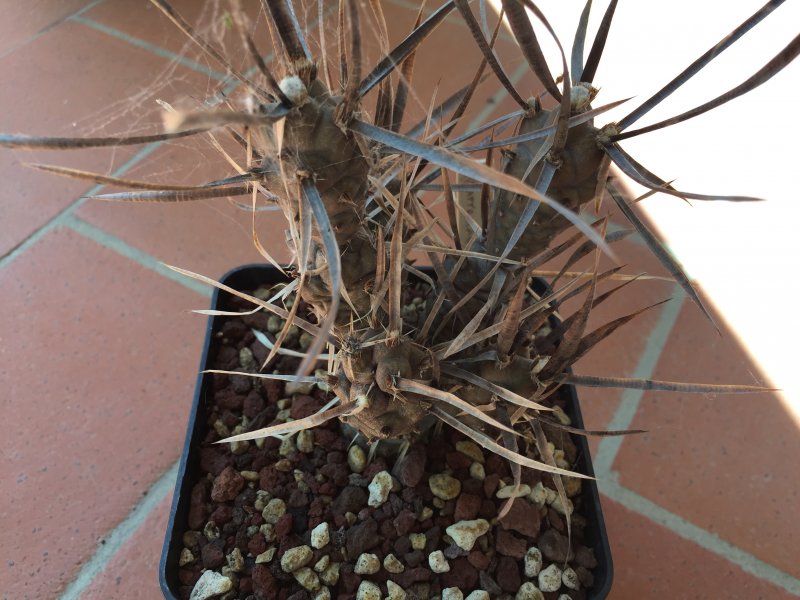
[[112, 242], [629, 403], [62, 215], [699, 536], [152, 48], [123, 532], [50, 27]]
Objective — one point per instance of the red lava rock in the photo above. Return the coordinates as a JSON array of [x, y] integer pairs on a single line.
[[212, 555], [253, 404], [478, 560], [472, 486], [304, 406], [222, 514], [227, 485], [257, 544], [387, 529], [488, 509], [584, 576], [458, 461], [188, 576], [412, 469], [337, 473], [350, 499], [556, 522], [284, 525], [414, 558], [362, 537], [230, 400], [270, 479], [214, 459], [507, 575], [374, 467], [461, 574], [411, 576], [404, 522], [523, 517], [264, 583], [197, 507], [348, 580], [497, 464], [508, 544], [490, 485], [554, 546], [245, 585], [273, 389], [585, 557], [467, 507]]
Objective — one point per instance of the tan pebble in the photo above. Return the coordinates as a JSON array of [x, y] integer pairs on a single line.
[[477, 471], [322, 563], [509, 491], [305, 441], [307, 578], [186, 557], [437, 562], [392, 564], [368, 591], [330, 576], [266, 556], [471, 449], [395, 592], [296, 558], [444, 486], [356, 459], [367, 564], [418, 540]]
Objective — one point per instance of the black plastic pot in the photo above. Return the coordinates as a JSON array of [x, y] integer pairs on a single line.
[[251, 277]]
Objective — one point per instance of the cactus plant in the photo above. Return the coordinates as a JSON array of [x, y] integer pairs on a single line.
[[357, 194]]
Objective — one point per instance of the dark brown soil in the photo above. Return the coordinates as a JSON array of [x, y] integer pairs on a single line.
[[296, 490]]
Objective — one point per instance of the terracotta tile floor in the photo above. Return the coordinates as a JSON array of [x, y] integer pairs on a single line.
[[98, 353]]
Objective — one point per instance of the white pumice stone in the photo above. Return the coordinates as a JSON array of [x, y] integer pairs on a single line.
[[209, 585], [392, 564], [438, 563], [367, 564], [266, 556], [330, 576], [528, 591], [320, 535], [322, 563], [452, 593], [186, 557], [418, 540], [323, 594], [538, 495], [274, 510], [533, 562], [296, 558], [465, 533], [307, 578], [379, 488], [395, 592], [368, 591], [478, 595], [570, 579], [550, 579]]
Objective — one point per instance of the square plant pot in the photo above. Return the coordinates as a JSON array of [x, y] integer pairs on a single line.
[[250, 277]]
